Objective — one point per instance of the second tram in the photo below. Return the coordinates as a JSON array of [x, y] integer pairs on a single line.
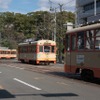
[[82, 51], [37, 52]]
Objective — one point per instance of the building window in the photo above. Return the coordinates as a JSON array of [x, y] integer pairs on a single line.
[[98, 4], [88, 7]]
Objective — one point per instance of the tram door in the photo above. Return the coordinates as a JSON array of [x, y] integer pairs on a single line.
[[47, 51], [67, 54], [70, 48]]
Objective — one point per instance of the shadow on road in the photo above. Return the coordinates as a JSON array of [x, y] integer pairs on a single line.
[[74, 76], [59, 95], [5, 94], [50, 94], [63, 74]]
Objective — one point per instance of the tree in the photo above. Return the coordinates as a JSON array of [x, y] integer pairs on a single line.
[[16, 27]]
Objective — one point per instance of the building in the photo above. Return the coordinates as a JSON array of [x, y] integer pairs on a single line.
[[87, 12]]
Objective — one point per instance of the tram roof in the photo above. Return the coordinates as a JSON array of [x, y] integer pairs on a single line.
[[84, 28], [4, 48], [37, 42]]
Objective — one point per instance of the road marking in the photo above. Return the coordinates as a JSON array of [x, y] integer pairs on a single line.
[[19, 68], [61, 83], [0, 72], [38, 78], [27, 84], [13, 66]]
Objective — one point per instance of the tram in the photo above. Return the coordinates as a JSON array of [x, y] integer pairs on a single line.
[[82, 51], [6, 53], [37, 52]]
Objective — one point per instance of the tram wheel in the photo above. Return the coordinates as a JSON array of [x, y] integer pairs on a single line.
[[87, 75]]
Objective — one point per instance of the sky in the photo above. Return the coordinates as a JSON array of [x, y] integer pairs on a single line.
[[26, 6]]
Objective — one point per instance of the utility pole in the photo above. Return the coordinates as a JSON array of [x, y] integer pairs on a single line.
[[54, 20], [61, 32], [55, 26], [76, 15], [0, 39]]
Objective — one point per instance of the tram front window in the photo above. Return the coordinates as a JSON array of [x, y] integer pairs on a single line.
[[46, 48]]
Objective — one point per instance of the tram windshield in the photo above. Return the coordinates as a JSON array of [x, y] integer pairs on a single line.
[[49, 49], [46, 48]]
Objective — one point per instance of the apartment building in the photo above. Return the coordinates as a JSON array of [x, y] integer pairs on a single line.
[[87, 12]]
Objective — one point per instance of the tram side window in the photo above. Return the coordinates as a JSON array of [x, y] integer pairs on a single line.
[[90, 39], [13, 52], [20, 49], [40, 48], [80, 40], [25, 49], [97, 41], [73, 42], [8, 52], [33, 48], [67, 42]]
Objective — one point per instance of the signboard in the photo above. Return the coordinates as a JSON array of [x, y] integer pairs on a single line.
[[80, 59]]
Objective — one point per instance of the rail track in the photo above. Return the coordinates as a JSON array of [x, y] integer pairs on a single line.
[[53, 69]]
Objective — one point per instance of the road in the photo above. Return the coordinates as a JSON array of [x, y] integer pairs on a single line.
[[17, 82]]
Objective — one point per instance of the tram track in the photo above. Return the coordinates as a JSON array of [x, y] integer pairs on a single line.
[[53, 70]]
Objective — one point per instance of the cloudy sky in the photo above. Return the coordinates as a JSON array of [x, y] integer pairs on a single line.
[[26, 6]]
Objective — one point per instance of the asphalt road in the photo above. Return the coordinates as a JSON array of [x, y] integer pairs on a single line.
[[16, 83]]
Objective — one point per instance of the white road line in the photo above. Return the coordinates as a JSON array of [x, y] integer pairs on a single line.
[[18, 68], [13, 66], [0, 72], [26, 84], [62, 83]]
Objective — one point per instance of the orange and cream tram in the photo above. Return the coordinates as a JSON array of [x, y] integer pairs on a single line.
[[8, 53], [37, 52], [13, 53], [82, 51]]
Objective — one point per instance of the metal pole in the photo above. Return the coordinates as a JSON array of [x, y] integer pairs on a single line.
[[95, 9], [0, 39], [76, 15], [55, 26]]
